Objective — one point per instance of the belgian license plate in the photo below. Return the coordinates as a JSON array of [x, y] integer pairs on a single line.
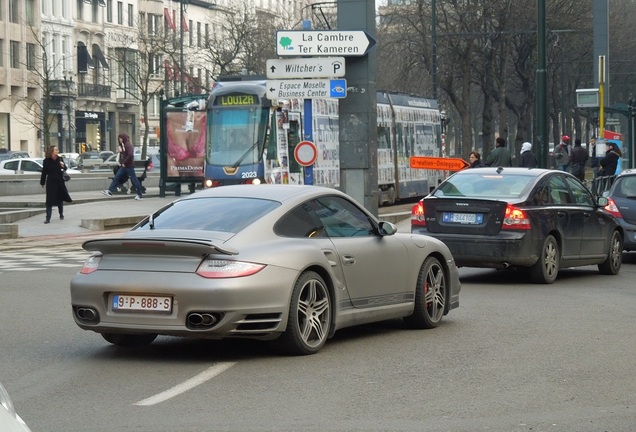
[[463, 218], [123, 302]]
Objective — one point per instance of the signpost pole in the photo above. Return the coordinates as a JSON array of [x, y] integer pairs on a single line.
[[308, 131], [358, 111]]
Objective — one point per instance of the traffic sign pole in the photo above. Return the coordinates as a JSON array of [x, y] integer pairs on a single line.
[[309, 136]]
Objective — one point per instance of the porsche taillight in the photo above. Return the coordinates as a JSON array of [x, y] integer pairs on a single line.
[[515, 219], [417, 215], [216, 268], [91, 264]]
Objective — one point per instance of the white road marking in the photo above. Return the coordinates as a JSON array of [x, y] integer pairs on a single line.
[[210, 373]]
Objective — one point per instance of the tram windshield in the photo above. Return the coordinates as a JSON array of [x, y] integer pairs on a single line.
[[236, 135]]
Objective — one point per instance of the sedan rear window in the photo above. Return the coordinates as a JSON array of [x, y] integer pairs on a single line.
[[211, 214], [485, 185]]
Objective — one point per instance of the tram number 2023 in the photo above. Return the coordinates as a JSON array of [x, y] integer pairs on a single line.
[[249, 174]]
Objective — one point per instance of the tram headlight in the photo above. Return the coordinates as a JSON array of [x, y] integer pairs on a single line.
[[208, 183], [256, 181]]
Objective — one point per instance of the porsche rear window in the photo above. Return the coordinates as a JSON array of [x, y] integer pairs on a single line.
[[211, 214], [485, 185]]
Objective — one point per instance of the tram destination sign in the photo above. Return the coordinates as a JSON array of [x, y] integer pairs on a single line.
[[307, 89], [312, 67], [355, 43]]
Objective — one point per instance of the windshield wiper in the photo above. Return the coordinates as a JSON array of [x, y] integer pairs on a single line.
[[249, 150], [151, 218]]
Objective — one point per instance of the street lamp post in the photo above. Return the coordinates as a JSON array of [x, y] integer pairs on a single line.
[[68, 81]]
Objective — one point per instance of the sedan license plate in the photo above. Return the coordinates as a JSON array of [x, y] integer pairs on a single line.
[[123, 302], [463, 218]]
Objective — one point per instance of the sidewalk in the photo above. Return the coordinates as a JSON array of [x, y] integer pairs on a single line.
[[90, 208], [87, 206]]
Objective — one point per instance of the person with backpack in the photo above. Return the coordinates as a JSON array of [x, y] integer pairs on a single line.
[[609, 163]]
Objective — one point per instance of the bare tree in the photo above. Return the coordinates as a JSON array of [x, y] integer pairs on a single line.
[[138, 69], [49, 98]]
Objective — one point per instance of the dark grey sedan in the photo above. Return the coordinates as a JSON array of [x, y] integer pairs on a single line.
[[622, 204], [535, 219], [291, 264]]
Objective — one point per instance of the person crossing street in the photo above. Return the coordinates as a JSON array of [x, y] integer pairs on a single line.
[[126, 168]]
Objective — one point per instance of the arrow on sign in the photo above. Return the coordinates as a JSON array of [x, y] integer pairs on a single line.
[[312, 67], [438, 163]]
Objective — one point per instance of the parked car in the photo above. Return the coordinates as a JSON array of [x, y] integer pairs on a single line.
[[26, 166], [89, 160], [11, 154], [10, 421], [286, 263], [535, 219], [621, 204]]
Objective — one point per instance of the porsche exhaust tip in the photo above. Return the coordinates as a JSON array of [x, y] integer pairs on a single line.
[[201, 320]]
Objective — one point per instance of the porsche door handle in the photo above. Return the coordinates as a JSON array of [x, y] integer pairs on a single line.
[[348, 259]]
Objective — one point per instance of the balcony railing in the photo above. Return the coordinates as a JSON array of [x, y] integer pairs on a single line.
[[93, 90]]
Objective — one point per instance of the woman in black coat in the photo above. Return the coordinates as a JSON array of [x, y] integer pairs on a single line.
[[52, 176], [609, 162]]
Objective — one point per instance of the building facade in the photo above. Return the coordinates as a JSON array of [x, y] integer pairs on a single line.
[[76, 73]]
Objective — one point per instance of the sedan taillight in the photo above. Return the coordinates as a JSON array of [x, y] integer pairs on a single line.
[[417, 215], [515, 219], [612, 208], [215, 268]]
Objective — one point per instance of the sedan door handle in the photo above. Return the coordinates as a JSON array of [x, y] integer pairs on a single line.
[[348, 259]]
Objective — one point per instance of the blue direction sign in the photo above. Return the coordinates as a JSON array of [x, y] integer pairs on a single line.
[[307, 89], [354, 43]]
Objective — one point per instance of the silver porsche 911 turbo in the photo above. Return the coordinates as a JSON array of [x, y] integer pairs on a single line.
[[290, 264]]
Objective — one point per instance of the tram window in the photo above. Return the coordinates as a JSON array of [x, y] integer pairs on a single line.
[[384, 138]]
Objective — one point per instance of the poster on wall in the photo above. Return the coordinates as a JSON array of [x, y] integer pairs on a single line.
[[185, 136]]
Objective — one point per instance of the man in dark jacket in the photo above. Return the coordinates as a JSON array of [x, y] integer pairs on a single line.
[[126, 167], [527, 158], [500, 156], [577, 160]]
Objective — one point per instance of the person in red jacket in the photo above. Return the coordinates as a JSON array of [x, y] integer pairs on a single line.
[[126, 167]]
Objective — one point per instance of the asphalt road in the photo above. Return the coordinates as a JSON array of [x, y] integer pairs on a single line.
[[513, 357]]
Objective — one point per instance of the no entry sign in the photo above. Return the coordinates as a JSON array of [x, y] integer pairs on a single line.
[[306, 153]]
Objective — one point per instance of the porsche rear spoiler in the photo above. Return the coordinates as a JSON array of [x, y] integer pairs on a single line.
[[157, 246]]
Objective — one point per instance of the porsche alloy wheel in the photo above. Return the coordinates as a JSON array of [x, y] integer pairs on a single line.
[[309, 319], [430, 296]]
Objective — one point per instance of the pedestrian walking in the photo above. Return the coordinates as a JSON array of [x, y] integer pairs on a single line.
[[593, 157], [500, 156], [577, 160], [52, 178], [475, 160], [562, 153], [126, 167], [527, 159], [609, 162]]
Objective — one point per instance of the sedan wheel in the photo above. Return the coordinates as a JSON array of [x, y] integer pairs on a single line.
[[612, 265], [546, 268], [309, 319], [120, 339], [430, 296]]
